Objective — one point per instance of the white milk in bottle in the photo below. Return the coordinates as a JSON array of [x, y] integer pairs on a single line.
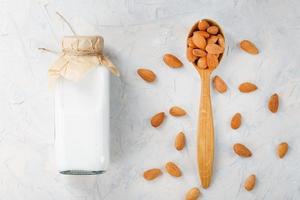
[[81, 96]]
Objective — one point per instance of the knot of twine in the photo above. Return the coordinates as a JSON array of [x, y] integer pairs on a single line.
[[79, 54]]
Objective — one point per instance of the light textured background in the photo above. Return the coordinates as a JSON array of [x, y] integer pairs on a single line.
[[137, 33]]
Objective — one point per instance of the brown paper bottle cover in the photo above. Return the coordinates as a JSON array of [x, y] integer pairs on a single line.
[[79, 55]]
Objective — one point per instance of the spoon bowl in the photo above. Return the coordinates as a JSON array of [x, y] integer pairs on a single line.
[[205, 130], [195, 28]]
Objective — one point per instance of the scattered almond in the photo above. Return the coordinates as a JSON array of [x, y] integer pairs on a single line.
[[202, 63], [236, 121], [212, 60], [204, 34], [190, 55], [180, 141], [177, 111], [172, 61], [273, 103], [212, 30], [214, 49], [193, 194], [219, 84], [241, 150], [199, 53], [212, 39], [250, 182], [203, 25], [146, 74], [247, 87], [249, 47], [157, 119], [282, 149], [190, 43], [173, 169], [152, 174], [199, 40]]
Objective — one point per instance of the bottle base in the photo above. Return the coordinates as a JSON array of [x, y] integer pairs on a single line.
[[81, 172]]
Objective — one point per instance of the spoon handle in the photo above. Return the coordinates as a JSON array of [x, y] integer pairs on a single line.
[[205, 140]]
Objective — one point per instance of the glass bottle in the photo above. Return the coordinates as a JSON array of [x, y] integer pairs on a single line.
[[81, 101]]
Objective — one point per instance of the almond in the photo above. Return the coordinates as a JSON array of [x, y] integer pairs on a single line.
[[219, 84], [249, 47], [190, 43], [241, 150], [177, 111], [172, 61], [146, 74], [247, 87], [282, 149], [236, 121], [250, 182], [221, 41], [189, 54], [180, 141], [157, 119], [152, 174], [193, 194], [199, 40], [212, 39], [212, 30], [204, 34], [203, 25], [199, 53], [273, 103], [202, 63], [172, 169], [214, 49], [212, 61]]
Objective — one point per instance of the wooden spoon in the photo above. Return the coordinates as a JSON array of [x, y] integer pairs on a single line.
[[205, 131]]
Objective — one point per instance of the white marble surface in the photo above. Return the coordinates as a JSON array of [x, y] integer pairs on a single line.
[[138, 33]]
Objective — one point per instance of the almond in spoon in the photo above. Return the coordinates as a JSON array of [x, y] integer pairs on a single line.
[[172, 61], [214, 49], [212, 39], [190, 55], [204, 34], [146, 74], [202, 63], [190, 43], [250, 182], [203, 25], [241, 150], [199, 53], [152, 174], [157, 119], [199, 40], [212, 61], [221, 41], [219, 84], [273, 103], [247, 87], [212, 30], [249, 47]]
